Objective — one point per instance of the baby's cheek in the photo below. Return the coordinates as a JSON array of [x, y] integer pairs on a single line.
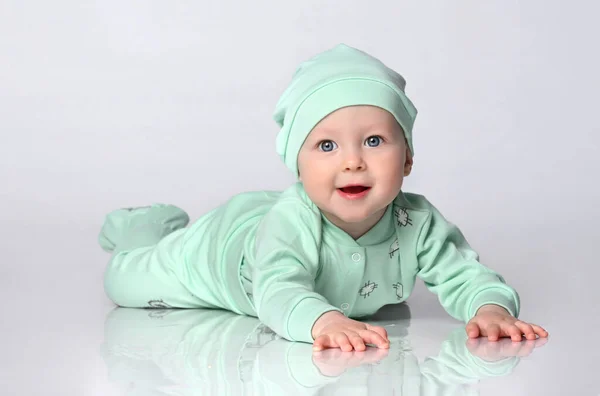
[[393, 179]]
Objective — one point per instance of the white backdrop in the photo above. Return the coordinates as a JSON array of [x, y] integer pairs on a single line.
[[106, 104]]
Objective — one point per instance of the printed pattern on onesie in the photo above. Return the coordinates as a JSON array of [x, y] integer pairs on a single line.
[[382, 281], [382, 273]]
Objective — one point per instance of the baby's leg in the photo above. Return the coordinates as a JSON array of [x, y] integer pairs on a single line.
[[145, 244], [130, 228]]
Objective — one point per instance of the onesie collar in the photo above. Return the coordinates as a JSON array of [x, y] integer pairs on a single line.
[[378, 234]]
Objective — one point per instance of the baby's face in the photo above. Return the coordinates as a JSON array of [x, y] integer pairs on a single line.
[[361, 146]]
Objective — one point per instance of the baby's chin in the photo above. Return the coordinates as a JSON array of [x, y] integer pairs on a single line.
[[354, 217]]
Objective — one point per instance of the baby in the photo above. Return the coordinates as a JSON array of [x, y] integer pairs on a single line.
[[336, 246]]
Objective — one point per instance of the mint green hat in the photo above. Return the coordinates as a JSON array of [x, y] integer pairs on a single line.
[[340, 77]]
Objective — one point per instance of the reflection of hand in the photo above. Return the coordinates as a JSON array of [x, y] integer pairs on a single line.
[[493, 351], [494, 322], [333, 362]]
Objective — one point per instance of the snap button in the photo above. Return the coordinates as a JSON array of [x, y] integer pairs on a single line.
[[345, 306], [356, 257]]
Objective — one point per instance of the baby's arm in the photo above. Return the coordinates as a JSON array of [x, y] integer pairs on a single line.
[[450, 269], [467, 290], [285, 267]]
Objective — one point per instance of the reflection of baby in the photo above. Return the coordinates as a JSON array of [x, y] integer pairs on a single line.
[[336, 246], [215, 352]]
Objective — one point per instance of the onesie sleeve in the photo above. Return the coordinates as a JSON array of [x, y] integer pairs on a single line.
[[450, 269], [287, 245]]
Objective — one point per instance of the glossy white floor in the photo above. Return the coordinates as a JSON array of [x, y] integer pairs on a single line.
[[60, 335], [111, 103]]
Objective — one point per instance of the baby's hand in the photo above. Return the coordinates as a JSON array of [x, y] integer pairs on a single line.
[[493, 322], [334, 330]]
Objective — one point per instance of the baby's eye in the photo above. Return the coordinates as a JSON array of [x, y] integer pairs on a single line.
[[327, 145], [373, 141]]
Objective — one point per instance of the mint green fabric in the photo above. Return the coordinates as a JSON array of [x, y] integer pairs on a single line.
[[273, 255], [303, 266], [158, 220], [340, 77]]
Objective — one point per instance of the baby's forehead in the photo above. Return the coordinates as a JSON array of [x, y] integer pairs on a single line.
[[357, 119]]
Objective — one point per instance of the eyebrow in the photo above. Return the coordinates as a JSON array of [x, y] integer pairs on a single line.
[[330, 131]]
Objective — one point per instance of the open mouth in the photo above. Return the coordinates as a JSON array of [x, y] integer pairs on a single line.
[[354, 189], [354, 192]]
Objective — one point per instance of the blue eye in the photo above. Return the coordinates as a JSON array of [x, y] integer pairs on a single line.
[[373, 141], [327, 145]]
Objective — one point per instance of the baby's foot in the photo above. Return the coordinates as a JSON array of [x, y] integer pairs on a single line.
[[118, 222]]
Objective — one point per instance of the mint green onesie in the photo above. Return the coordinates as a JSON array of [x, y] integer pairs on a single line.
[[275, 256]]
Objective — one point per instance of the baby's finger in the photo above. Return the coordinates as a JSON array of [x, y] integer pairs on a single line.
[[343, 342], [321, 343], [493, 332], [539, 330], [374, 338], [472, 330], [513, 331], [357, 342], [527, 329], [379, 330], [332, 341]]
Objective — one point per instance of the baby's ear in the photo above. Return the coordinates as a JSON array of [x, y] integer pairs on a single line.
[[408, 164]]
